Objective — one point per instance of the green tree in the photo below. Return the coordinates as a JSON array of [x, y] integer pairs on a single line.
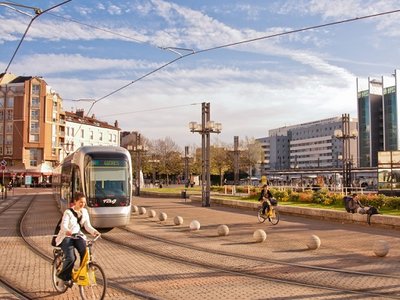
[[219, 160]]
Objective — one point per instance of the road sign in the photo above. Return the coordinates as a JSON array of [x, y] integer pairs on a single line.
[[2, 167], [3, 163]]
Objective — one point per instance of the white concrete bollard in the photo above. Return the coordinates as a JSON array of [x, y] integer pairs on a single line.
[[259, 235], [152, 213], [223, 230], [142, 210], [313, 242], [178, 220], [381, 248], [194, 225], [135, 208], [162, 216]]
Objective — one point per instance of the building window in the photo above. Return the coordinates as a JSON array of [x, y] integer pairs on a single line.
[[91, 134], [101, 136], [9, 150], [82, 133], [1, 102], [34, 114], [35, 102], [34, 156], [34, 138], [35, 127], [10, 102], [10, 114], [9, 139], [35, 89], [9, 127]]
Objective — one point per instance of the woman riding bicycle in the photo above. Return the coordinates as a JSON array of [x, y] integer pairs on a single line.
[[265, 196], [70, 236]]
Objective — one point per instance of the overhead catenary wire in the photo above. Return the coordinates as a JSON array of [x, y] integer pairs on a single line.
[[246, 41], [38, 13], [153, 109]]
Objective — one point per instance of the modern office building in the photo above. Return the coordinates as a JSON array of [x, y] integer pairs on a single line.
[[307, 146], [378, 114]]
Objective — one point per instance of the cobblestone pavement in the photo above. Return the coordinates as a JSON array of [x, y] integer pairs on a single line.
[[343, 246]]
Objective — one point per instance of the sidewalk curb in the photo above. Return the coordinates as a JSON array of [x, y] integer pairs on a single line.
[[315, 213]]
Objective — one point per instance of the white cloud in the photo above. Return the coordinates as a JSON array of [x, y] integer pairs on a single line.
[[114, 10]]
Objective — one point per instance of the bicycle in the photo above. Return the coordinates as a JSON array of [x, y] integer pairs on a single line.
[[272, 215], [89, 276]]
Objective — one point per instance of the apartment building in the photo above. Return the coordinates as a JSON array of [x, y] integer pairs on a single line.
[[35, 132], [81, 130], [32, 128]]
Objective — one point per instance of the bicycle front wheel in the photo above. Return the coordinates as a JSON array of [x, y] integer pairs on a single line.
[[260, 216], [56, 268], [274, 218], [96, 288]]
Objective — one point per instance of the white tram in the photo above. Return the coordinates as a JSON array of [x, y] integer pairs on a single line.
[[104, 175]]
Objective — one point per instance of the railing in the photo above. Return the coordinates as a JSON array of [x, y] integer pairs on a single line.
[[232, 190]]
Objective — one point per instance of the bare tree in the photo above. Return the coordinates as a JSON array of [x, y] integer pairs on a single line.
[[251, 154], [169, 156]]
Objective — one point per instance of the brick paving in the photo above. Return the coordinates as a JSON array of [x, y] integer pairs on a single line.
[[344, 245]]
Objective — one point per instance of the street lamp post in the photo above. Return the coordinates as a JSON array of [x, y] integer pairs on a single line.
[[205, 128], [186, 175], [236, 153], [346, 135]]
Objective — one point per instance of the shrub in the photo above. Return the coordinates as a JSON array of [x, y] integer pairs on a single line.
[[306, 196]]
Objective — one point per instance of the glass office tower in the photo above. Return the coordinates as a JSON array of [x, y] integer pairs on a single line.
[[377, 118]]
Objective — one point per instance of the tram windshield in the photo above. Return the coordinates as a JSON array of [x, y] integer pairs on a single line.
[[107, 182]]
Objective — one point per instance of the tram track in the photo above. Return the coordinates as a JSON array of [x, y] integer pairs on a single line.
[[10, 285], [264, 269]]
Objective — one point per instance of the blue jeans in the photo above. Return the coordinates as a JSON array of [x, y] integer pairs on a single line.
[[265, 207], [68, 245]]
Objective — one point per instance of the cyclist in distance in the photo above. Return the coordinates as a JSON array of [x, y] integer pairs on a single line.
[[265, 197], [71, 237]]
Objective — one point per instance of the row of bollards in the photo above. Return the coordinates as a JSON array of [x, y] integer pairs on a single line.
[[380, 247]]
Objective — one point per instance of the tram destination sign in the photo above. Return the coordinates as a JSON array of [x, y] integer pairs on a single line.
[[108, 163]]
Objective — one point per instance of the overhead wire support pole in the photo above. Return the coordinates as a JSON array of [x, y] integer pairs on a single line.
[[205, 128]]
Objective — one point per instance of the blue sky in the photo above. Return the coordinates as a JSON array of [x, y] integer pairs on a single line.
[[252, 87]]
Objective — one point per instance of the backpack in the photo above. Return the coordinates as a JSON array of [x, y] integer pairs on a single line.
[[58, 227], [261, 195], [346, 202]]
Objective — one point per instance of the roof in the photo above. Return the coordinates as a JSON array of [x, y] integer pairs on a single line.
[[73, 117]]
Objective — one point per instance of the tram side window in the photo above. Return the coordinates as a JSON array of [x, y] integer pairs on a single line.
[[76, 186], [66, 183]]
